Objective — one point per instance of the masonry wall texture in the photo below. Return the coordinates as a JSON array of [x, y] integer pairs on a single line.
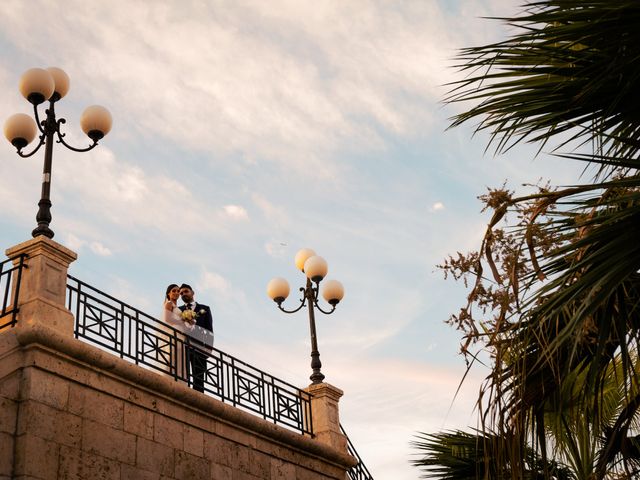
[[71, 411]]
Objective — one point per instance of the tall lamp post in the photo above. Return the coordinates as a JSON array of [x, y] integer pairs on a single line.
[[38, 85], [315, 268]]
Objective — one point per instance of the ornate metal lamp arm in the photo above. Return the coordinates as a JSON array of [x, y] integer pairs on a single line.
[[62, 135], [333, 307], [36, 148], [303, 302]]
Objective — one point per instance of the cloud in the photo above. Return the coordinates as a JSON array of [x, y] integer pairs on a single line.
[[99, 249], [77, 244], [276, 249], [73, 242], [437, 207], [271, 212], [304, 85], [236, 212]]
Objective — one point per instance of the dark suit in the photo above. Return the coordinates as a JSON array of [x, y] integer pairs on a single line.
[[197, 358]]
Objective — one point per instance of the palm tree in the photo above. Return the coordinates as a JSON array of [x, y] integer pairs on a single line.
[[566, 284], [574, 438]]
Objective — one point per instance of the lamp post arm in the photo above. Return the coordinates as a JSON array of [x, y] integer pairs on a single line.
[[303, 302], [36, 148], [37, 117], [333, 308], [62, 135]]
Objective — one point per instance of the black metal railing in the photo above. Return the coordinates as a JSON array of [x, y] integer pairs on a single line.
[[359, 471], [112, 325], [10, 280]]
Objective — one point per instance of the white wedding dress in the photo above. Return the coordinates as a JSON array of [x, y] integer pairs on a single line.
[[173, 318]]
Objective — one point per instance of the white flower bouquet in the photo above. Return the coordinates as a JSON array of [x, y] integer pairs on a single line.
[[189, 317]]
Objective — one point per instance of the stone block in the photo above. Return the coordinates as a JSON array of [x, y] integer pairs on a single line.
[[132, 473], [276, 450], [6, 454], [235, 434], [96, 406], [108, 442], [8, 415], [75, 403], [168, 432], [50, 424], [239, 458], [138, 421], [259, 464], [217, 450], [190, 467], [226, 453], [10, 384], [155, 457], [281, 470], [221, 472], [36, 456], [243, 476], [46, 388], [193, 441], [78, 465], [305, 474]]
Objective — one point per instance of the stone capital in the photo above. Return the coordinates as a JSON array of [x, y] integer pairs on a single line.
[[43, 246], [43, 283]]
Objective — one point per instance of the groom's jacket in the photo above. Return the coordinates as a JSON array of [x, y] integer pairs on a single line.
[[204, 318]]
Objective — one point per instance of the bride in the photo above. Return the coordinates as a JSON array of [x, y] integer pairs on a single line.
[[172, 316]]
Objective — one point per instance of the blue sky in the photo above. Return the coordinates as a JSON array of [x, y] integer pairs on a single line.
[[244, 131]]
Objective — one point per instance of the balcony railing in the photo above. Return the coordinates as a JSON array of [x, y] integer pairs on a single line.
[[10, 279], [116, 327], [112, 325]]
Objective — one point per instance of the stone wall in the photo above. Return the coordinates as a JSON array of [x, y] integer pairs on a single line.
[[71, 411]]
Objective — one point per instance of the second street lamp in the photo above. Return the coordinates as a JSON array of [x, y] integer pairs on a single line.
[[38, 85], [315, 268]]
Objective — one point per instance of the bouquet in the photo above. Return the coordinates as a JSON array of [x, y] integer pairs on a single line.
[[189, 317]]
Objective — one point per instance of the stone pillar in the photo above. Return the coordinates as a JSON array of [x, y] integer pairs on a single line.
[[44, 284], [325, 415]]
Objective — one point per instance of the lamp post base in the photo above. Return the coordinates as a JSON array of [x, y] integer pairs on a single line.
[[316, 377], [43, 218]]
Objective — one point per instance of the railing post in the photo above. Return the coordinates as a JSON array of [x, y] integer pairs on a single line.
[[325, 414], [44, 284]]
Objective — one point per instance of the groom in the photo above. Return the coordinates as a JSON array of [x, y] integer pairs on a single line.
[[197, 359]]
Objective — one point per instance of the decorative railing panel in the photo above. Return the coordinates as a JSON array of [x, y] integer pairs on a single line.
[[114, 326], [359, 471], [10, 279]]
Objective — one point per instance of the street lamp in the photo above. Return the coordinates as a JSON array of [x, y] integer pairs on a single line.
[[38, 85], [315, 268]]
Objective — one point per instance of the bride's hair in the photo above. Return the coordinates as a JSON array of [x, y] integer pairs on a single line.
[[169, 288]]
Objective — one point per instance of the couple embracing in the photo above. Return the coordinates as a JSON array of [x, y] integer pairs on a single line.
[[194, 320]]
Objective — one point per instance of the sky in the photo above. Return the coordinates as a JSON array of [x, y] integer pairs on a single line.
[[244, 131]]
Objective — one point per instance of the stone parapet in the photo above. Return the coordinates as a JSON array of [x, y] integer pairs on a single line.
[[70, 410]]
